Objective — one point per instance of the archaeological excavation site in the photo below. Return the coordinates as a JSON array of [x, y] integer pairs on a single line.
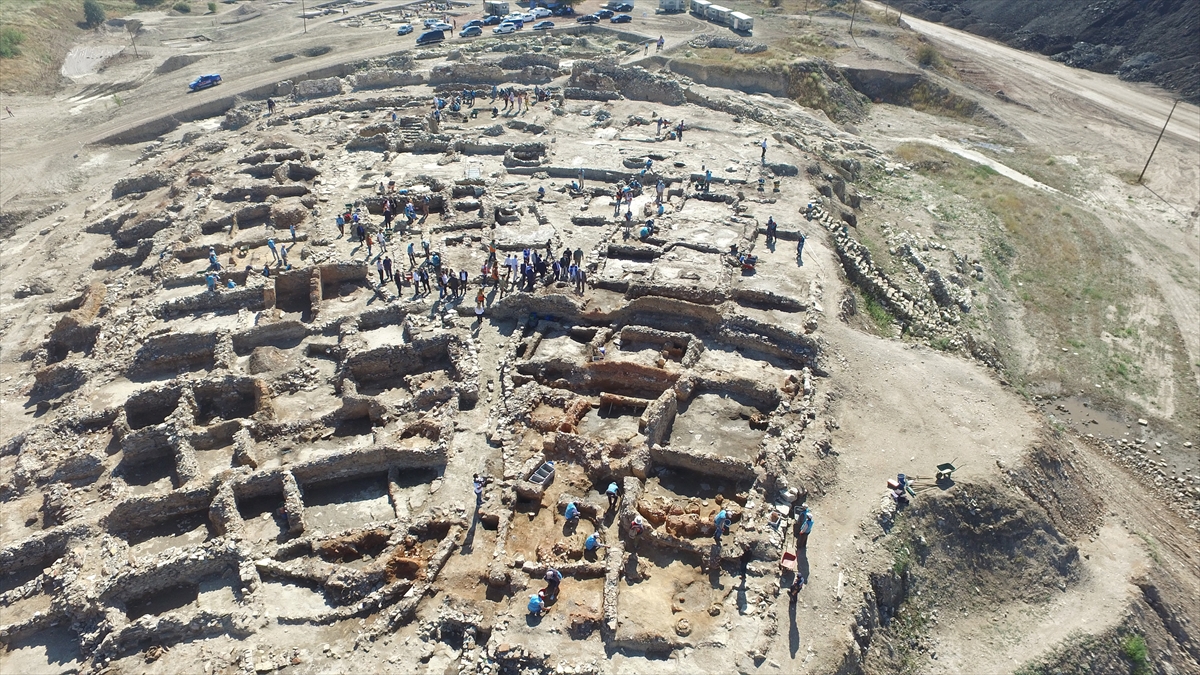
[[568, 352]]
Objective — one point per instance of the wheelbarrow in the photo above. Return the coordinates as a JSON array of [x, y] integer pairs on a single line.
[[788, 561], [944, 471]]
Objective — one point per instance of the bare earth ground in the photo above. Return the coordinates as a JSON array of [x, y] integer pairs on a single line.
[[890, 405]]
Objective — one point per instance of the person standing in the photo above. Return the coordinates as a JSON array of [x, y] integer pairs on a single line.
[[379, 268], [292, 229], [764, 150], [387, 267], [800, 249], [480, 483], [772, 228], [553, 578], [283, 251], [580, 280], [274, 251], [480, 306], [581, 179], [412, 259], [794, 590], [803, 529], [612, 492], [270, 106], [720, 525]]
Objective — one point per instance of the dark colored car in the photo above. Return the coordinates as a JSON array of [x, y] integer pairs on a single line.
[[621, 7], [621, 18], [565, 10], [204, 82], [431, 37], [543, 25], [474, 22], [588, 18], [470, 31], [493, 21], [604, 13]]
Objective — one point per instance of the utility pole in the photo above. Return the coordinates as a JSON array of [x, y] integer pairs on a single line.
[[304, 16], [852, 15], [133, 26], [1160, 135]]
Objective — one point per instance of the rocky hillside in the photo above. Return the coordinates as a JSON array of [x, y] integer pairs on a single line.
[[1140, 40]]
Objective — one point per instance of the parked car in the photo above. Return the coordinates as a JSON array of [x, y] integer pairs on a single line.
[[564, 10], [404, 29], [543, 25], [588, 18], [204, 82], [621, 18], [542, 12], [471, 31], [621, 6], [528, 17], [515, 16], [492, 21], [428, 23], [473, 22], [441, 25], [505, 28], [604, 13], [431, 37]]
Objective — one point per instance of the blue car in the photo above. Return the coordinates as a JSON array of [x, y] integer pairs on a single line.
[[493, 21], [621, 18], [604, 13], [473, 22], [204, 82], [543, 25]]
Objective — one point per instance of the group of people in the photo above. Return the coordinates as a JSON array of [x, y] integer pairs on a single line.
[[674, 133], [524, 272], [591, 546]]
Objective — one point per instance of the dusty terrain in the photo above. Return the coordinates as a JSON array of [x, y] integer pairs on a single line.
[[276, 475]]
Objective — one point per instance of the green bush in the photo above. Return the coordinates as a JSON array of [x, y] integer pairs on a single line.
[[928, 57], [93, 13], [183, 8], [1134, 649], [212, 8], [148, 3], [10, 41]]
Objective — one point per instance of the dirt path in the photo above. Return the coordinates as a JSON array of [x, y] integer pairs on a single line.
[[1143, 104]]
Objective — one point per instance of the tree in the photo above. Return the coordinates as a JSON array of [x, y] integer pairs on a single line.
[[93, 13]]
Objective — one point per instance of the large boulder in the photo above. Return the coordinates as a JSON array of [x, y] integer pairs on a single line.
[[143, 183]]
